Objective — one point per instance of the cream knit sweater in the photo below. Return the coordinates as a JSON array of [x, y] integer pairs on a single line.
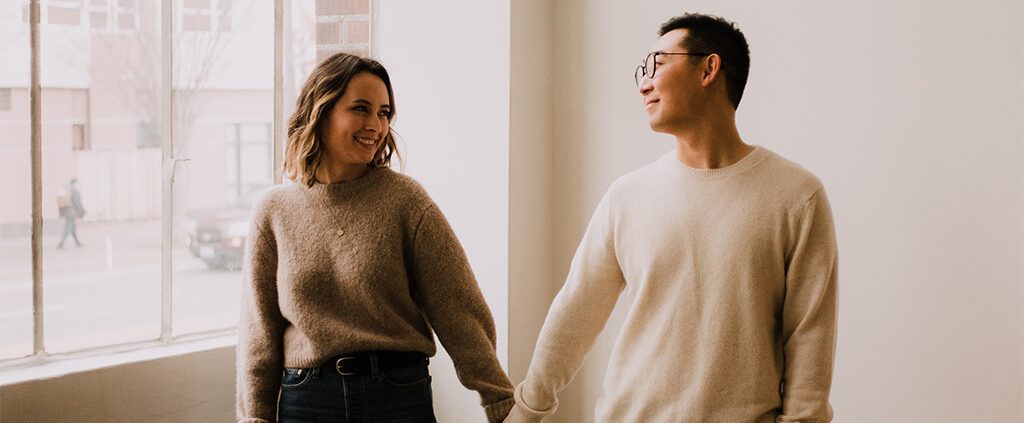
[[730, 281], [365, 265]]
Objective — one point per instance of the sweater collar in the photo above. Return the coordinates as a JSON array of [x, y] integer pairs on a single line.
[[747, 162], [349, 187]]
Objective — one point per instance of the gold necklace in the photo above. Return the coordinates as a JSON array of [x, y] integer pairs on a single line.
[[340, 231]]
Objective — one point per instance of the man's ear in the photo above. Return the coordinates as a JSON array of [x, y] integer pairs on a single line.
[[712, 68]]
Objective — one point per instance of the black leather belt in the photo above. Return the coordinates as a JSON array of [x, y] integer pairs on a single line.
[[362, 363]]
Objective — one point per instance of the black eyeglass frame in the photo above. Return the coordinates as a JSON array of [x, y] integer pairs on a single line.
[[641, 70]]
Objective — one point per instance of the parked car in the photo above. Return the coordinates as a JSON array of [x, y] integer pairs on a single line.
[[217, 237]]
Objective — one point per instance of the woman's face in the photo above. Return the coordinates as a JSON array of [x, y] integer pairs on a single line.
[[358, 123]]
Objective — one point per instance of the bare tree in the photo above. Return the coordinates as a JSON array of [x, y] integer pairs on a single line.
[[128, 63]]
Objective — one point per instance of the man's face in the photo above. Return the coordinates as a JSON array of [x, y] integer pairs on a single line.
[[673, 96]]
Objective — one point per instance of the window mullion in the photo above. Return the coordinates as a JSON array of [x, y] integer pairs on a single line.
[[38, 347], [278, 124], [167, 143]]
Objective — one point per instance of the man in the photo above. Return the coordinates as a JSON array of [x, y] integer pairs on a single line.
[[69, 206], [726, 251]]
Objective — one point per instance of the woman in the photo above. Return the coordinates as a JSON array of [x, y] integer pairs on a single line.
[[351, 269]]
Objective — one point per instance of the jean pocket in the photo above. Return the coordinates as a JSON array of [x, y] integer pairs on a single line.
[[295, 377], [407, 376]]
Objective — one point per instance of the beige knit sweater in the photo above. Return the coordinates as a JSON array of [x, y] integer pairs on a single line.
[[730, 281], [365, 265]]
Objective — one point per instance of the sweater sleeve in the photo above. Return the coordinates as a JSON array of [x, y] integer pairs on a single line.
[[809, 317], [450, 298], [577, 316], [260, 355]]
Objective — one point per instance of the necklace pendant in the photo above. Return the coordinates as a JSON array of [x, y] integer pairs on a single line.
[[340, 232]]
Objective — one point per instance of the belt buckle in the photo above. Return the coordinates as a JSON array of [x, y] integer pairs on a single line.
[[338, 366]]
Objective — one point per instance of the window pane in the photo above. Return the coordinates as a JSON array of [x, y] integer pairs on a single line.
[[224, 110], [301, 40], [15, 185], [231, 163], [101, 186], [315, 30], [254, 160]]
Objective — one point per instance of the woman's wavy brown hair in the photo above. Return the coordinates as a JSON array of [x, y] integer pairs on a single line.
[[307, 125]]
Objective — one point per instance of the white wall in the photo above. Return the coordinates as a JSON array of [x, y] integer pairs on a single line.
[[911, 114], [531, 134], [449, 62]]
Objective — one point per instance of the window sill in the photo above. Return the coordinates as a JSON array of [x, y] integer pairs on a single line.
[[53, 366]]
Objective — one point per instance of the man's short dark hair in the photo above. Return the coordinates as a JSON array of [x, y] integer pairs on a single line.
[[713, 34]]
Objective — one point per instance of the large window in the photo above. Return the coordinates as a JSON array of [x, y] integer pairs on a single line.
[[223, 112], [142, 234], [248, 151]]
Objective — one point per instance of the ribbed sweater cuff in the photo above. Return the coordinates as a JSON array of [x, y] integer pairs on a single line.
[[523, 413], [497, 412]]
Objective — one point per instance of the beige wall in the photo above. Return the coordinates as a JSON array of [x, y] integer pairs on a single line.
[[196, 387], [531, 131], [919, 147]]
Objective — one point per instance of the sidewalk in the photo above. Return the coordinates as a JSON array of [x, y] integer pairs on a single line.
[[108, 290]]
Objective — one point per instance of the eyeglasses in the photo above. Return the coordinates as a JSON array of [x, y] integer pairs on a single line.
[[650, 64]]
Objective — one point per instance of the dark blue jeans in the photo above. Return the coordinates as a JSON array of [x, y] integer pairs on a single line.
[[321, 394]]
